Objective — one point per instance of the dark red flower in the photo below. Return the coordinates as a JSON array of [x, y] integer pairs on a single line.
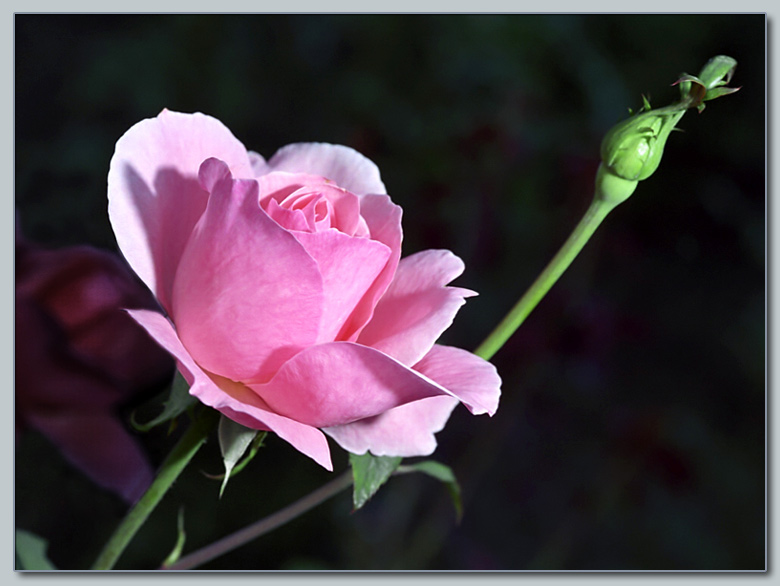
[[79, 356]]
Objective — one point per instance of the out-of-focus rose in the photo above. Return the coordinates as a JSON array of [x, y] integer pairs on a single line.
[[287, 307], [79, 356]]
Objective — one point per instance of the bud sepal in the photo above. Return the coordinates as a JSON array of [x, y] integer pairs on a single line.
[[711, 82]]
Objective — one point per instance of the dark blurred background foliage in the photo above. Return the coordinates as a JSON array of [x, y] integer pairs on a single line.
[[631, 433]]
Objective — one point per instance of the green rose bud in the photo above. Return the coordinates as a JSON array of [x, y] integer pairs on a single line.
[[631, 151]]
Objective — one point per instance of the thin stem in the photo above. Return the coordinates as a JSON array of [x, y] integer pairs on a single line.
[[263, 526], [173, 465], [597, 211]]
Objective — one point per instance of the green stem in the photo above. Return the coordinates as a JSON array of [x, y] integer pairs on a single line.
[[173, 465], [264, 525], [597, 211]]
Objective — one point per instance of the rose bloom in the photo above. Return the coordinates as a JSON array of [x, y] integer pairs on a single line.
[[79, 357], [286, 302]]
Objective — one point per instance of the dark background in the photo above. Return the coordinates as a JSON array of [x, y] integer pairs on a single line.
[[631, 433]]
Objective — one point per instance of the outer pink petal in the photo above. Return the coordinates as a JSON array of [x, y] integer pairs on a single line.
[[154, 199], [247, 296], [408, 430], [257, 161], [468, 377], [405, 431], [100, 446], [417, 306], [336, 383], [383, 219], [232, 399], [349, 266], [344, 166]]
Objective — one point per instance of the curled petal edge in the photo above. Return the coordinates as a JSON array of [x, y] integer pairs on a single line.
[[233, 399]]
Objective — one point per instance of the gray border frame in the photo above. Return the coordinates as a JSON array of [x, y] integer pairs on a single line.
[[411, 578]]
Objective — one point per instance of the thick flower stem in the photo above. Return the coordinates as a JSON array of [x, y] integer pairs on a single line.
[[593, 217], [173, 465], [265, 525]]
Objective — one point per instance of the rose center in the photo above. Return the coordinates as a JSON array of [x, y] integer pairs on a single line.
[[316, 208]]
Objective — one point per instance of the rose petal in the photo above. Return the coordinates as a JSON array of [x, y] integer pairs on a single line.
[[345, 207], [405, 431], [274, 188], [278, 185], [291, 191], [258, 164], [468, 377], [408, 430], [247, 296], [348, 266], [417, 306], [154, 199], [287, 219], [383, 219], [342, 207], [233, 399], [344, 166], [336, 383]]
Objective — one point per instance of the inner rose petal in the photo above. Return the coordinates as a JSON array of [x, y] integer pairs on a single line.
[[314, 206], [286, 218], [322, 204]]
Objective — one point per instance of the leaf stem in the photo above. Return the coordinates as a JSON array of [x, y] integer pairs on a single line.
[[595, 214], [263, 526], [173, 465]]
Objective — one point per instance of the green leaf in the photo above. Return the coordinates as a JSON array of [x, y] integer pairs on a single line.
[[31, 552], [175, 554], [444, 473], [234, 439], [179, 400], [369, 473]]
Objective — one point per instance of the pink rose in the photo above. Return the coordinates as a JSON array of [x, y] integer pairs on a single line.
[[287, 307], [78, 357]]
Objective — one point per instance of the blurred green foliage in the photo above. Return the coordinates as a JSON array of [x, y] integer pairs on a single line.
[[631, 433]]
